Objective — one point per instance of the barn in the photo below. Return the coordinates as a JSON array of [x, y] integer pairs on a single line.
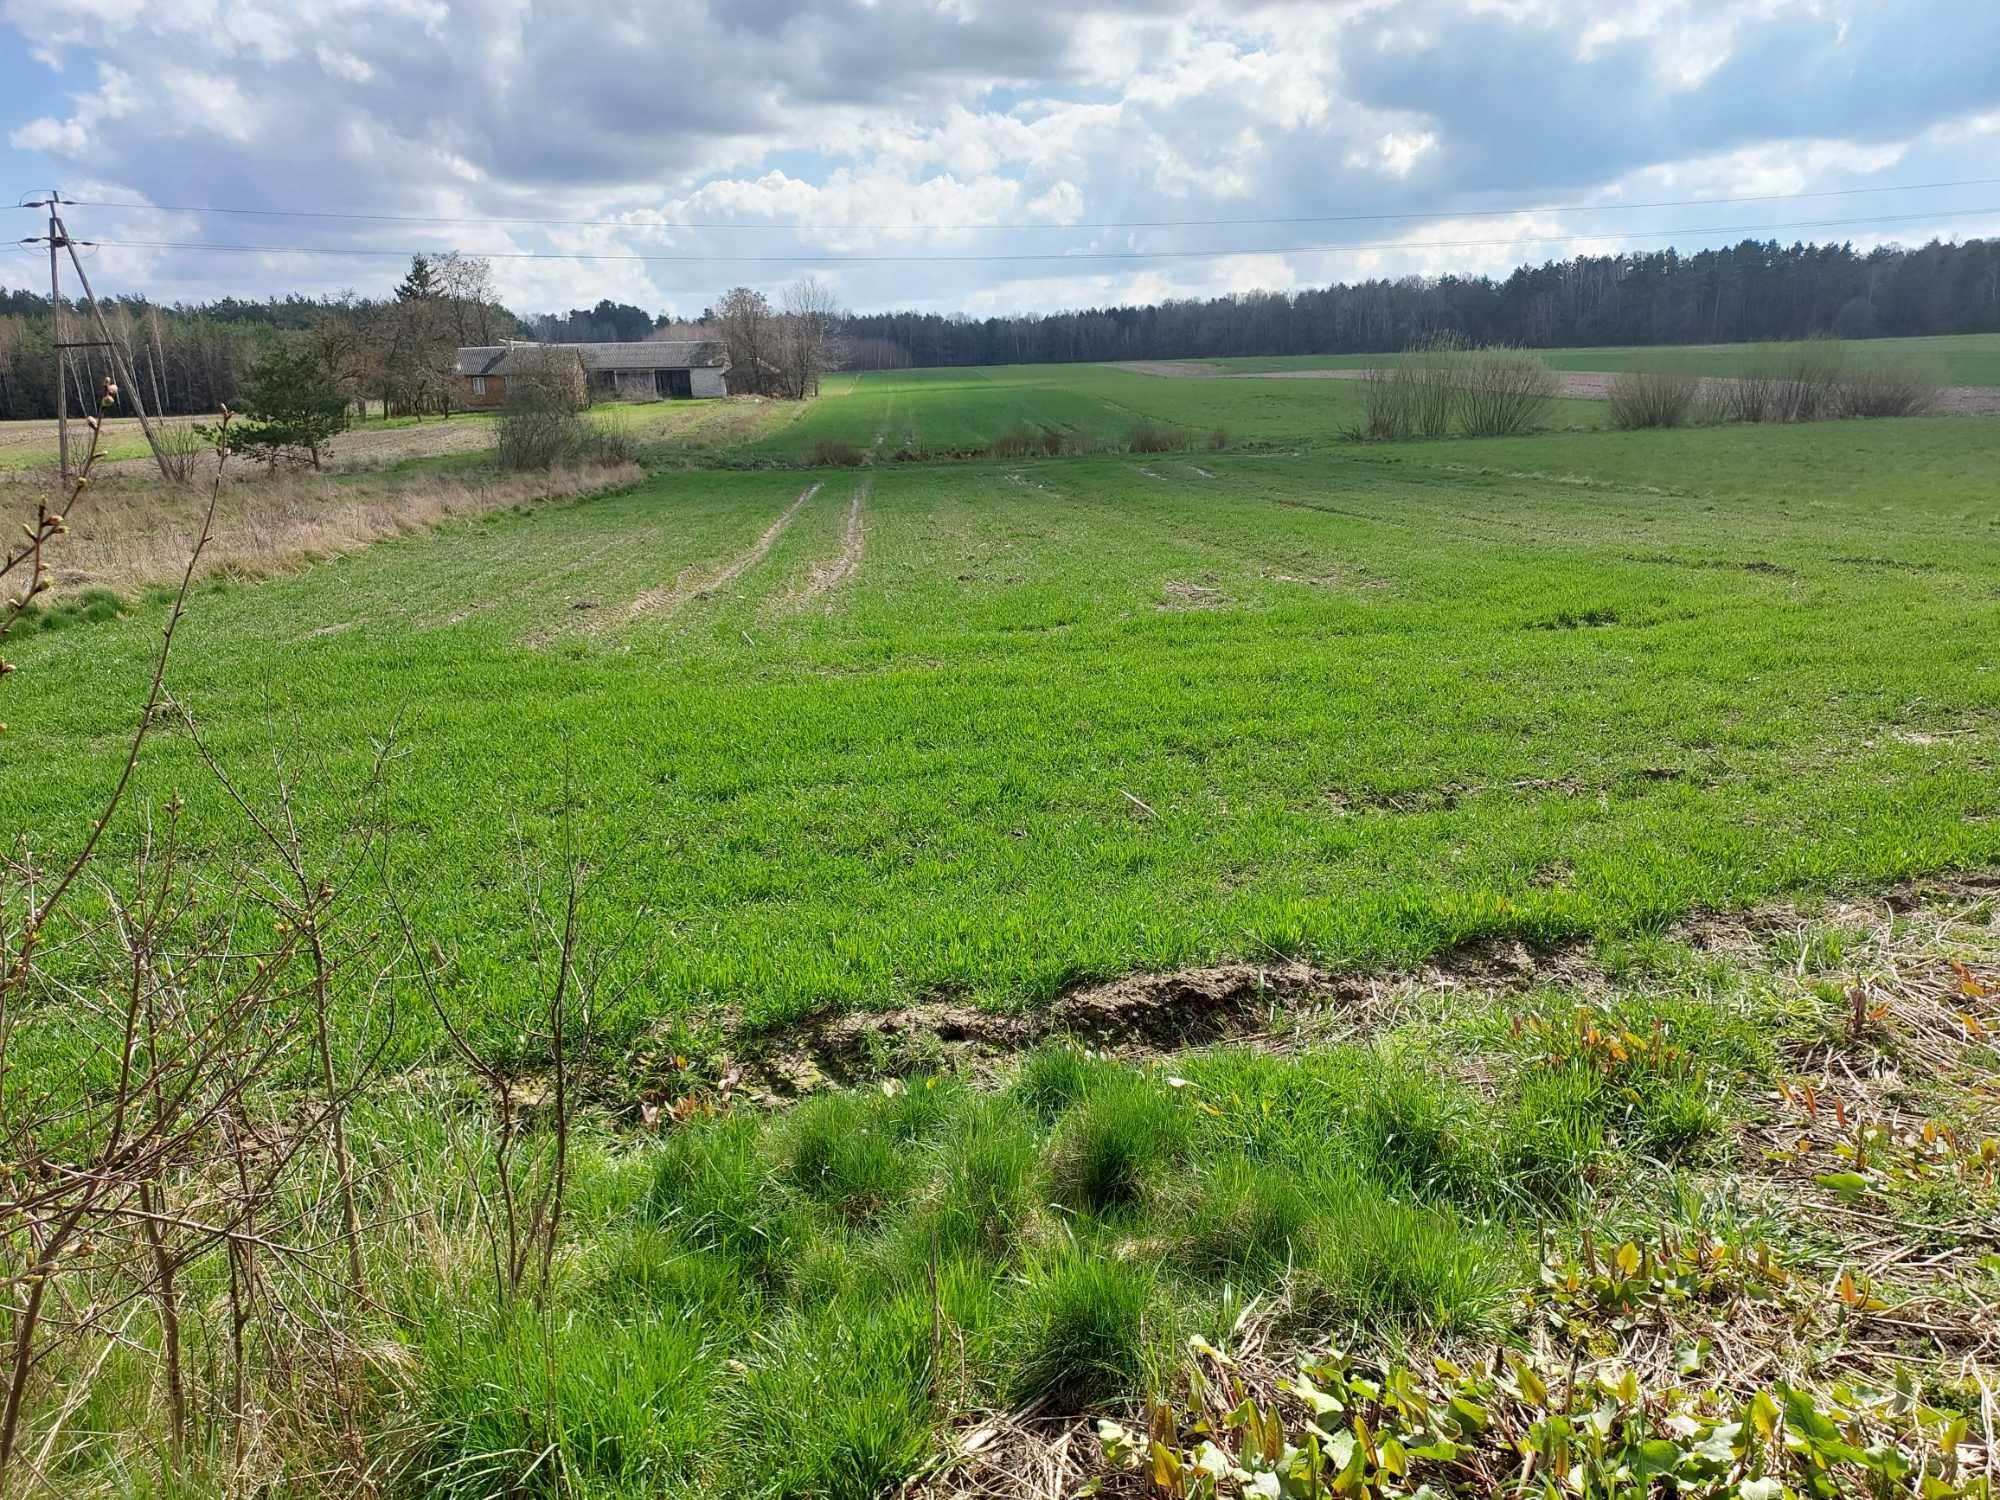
[[666, 370]]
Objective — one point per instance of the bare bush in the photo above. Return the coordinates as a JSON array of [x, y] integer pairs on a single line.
[[182, 447], [544, 426], [834, 453], [1786, 382], [1218, 439], [1502, 392], [1148, 436], [1433, 375], [1654, 395], [1385, 404], [1887, 390], [1018, 441]]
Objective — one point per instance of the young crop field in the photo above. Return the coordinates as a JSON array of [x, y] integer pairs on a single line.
[[1959, 360], [1061, 935]]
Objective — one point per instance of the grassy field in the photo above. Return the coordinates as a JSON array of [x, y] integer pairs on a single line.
[[1966, 359], [1533, 802], [1380, 701], [916, 413]]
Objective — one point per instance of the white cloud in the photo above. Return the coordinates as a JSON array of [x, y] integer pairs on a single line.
[[890, 125], [112, 100], [336, 63]]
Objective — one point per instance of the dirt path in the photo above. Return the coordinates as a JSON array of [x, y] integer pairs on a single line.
[[1578, 385], [683, 590]]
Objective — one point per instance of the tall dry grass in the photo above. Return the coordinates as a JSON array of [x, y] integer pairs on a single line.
[[135, 533]]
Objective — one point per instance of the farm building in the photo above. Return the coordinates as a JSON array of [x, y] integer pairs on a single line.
[[661, 371]]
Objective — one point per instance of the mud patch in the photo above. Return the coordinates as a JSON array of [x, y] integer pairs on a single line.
[[1140, 1014]]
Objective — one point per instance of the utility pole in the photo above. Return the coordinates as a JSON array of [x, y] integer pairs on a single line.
[[59, 240], [62, 354]]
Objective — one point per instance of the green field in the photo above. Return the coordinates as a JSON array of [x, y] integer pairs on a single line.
[[1381, 700], [1542, 791], [918, 413], [1963, 359]]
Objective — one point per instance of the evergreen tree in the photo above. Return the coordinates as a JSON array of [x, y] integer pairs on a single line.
[[420, 284]]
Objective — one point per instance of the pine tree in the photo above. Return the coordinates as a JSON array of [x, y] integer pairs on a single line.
[[420, 284]]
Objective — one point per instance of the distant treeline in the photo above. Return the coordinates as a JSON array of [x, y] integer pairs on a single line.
[[396, 352], [1751, 291]]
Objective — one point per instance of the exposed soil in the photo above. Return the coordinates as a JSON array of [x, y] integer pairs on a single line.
[[1578, 385], [1179, 597], [1274, 1003]]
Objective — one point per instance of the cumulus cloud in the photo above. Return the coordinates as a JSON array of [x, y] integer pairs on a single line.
[[888, 127]]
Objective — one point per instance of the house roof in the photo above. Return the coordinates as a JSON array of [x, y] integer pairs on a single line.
[[663, 354], [481, 360], [660, 354]]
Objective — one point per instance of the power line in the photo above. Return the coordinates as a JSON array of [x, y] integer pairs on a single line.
[[1354, 247], [804, 226]]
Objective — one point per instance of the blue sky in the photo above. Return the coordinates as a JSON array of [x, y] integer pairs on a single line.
[[1483, 132]]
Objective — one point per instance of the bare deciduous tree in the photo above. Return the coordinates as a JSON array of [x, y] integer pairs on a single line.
[[748, 336], [808, 333]]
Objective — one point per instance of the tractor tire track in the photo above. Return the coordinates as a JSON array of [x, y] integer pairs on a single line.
[[684, 590], [826, 577]]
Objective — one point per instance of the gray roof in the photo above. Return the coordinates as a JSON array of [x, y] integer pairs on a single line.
[[481, 360], [663, 354]]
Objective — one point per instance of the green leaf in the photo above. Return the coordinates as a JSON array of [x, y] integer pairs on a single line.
[[1654, 1457], [1847, 1184]]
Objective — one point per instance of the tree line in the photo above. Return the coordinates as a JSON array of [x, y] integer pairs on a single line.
[[1753, 291], [397, 354]]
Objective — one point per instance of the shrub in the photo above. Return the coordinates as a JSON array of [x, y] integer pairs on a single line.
[[1502, 392], [543, 427], [834, 453], [1786, 382], [1653, 396], [1386, 404], [1887, 390], [1148, 436], [1218, 439], [1018, 441], [1433, 372]]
